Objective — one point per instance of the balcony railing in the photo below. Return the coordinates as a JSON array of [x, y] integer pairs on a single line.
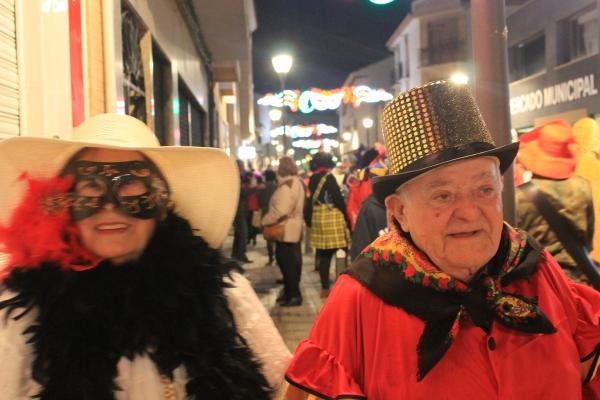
[[443, 53]]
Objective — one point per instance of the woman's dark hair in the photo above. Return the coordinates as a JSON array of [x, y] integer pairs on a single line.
[[270, 175], [321, 160], [367, 157]]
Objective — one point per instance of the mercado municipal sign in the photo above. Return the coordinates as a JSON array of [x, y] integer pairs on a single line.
[[322, 100], [562, 92]]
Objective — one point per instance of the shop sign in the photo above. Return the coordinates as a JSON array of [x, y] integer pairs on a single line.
[[563, 92]]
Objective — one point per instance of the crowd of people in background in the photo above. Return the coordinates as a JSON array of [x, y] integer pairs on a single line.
[[115, 264], [342, 216]]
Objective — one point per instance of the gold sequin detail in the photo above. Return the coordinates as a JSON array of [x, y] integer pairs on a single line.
[[429, 119], [169, 388]]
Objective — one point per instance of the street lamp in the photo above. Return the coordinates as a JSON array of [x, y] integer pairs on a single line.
[[460, 78], [282, 63], [275, 114], [368, 124], [347, 136]]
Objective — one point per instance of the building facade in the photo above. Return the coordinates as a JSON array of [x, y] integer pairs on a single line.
[[432, 42], [554, 63], [363, 121], [170, 63]]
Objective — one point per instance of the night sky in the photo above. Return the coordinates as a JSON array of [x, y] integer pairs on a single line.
[[327, 38]]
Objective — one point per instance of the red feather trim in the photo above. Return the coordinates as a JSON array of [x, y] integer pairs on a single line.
[[41, 230]]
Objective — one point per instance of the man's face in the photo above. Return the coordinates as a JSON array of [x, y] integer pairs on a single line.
[[454, 214]]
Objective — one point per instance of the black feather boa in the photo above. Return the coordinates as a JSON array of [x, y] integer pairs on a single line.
[[169, 304]]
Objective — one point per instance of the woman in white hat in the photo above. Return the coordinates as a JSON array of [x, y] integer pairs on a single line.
[[112, 287]]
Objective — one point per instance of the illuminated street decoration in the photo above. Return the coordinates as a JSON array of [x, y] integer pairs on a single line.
[[304, 131], [290, 99], [321, 100], [367, 95], [315, 143]]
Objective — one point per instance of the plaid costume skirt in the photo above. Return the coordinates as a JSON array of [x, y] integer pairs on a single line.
[[328, 229]]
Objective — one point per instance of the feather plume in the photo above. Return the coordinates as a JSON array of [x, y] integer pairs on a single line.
[[41, 229]]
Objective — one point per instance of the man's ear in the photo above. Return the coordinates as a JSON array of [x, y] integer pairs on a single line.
[[395, 204]]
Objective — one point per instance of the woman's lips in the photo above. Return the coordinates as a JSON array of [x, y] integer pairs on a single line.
[[111, 227]]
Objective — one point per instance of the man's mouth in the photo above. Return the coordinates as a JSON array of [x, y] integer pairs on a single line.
[[464, 234]]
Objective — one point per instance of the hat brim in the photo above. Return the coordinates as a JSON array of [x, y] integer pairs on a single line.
[[204, 182], [543, 164], [384, 186]]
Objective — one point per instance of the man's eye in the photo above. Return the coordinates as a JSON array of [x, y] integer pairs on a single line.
[[487, 190], [442, 197]]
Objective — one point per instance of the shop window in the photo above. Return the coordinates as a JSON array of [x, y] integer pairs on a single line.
[[444, 43], [527, 58], [192, 119], [578, 35], [133, 65], [162, 82]]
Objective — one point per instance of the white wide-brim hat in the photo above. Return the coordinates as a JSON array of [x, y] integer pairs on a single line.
[[204, 182]]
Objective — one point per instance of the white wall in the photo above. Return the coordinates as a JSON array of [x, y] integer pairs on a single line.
[[44, 67]]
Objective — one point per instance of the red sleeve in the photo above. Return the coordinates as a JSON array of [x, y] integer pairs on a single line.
[[587, 335], [583, 308], [353, 205], [328, 364]]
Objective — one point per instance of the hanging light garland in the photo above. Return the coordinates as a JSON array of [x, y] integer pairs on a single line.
[[321, 100], [304, 131]]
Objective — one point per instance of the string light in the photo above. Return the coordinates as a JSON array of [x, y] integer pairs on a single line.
[[322, 100], [315, 143], [303, 131]]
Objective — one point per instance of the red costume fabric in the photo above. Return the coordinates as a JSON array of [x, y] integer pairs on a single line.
[[362, 347], [358, 193]]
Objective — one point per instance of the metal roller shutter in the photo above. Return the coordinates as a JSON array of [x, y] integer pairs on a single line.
[[9, 75]]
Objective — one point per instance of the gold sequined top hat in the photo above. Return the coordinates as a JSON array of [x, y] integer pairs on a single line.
[[432, 125]]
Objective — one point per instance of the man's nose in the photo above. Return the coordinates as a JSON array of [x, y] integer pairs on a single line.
[[467, 208]]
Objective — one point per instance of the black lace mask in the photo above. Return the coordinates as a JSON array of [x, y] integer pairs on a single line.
[[133, 187]]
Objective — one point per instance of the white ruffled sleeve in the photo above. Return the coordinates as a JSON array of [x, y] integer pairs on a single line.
[[257, 327], [15, 355]]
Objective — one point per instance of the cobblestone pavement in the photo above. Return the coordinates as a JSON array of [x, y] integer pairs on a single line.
[[294, 323]]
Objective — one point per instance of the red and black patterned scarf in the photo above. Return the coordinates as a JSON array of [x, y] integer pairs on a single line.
[[395, 270]]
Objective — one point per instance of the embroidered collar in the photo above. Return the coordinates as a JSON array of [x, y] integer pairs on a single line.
[[402, 275]]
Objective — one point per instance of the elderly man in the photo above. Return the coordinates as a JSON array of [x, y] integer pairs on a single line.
[[451, 303]]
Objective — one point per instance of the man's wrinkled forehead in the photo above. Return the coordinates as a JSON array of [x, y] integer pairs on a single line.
[[435, 178]]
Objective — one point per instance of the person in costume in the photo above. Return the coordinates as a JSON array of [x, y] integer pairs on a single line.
[[114, 287], [330, 229], [548, 155], [287, 204], [359, 185], [372, 217], [452, 302], [586, 135]]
